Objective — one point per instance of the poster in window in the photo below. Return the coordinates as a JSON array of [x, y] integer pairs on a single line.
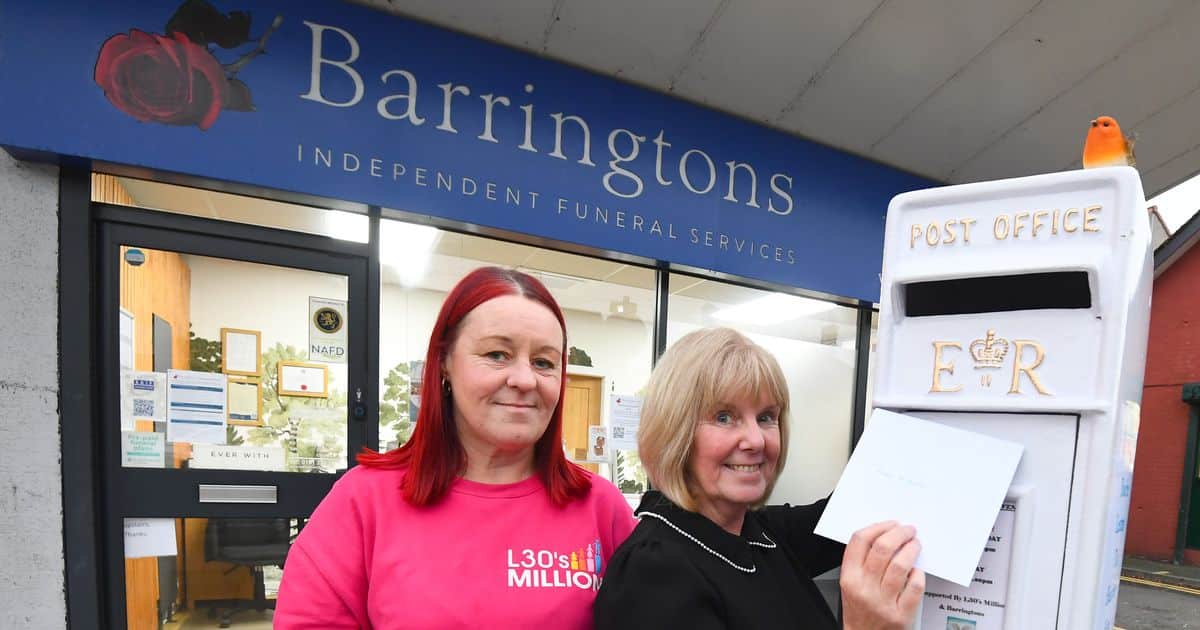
[[598, 450], [143, 397], [196, 407], [327, 340], [625, 413]]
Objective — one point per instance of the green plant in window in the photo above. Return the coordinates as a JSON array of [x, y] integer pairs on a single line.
[[577, 356], [310, 430], [394, 408], [232, 437], [205, 353], [631, 477]]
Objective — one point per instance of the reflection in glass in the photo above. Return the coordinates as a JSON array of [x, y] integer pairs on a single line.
[[185, 404], [211, 204], [198, 573], [814, 342], [871, 368], [609, 308]]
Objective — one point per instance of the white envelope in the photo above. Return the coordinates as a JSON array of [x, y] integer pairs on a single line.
[[946, 482]]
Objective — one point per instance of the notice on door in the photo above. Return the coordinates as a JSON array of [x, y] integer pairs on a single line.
[[143, 449], [147, 537], [327, 330], [949, 606], [625, 413]]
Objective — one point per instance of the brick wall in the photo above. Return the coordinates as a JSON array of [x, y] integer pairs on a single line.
[[1171, 361]]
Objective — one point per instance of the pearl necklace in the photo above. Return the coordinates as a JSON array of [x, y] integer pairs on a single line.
[[770, 544]]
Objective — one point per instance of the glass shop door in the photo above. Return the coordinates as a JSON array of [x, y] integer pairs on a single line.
[[233, 380]]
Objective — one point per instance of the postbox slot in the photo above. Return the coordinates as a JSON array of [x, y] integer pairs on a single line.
[[996, 294]]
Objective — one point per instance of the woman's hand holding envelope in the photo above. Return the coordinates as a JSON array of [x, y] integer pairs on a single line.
[[880, 588]]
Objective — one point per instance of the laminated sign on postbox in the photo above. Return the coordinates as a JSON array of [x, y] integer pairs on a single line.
[[1020, 309]]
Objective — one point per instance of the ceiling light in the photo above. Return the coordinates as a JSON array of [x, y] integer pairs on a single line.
[[772, 309], [406, 247], [346, 226], [624, 306]]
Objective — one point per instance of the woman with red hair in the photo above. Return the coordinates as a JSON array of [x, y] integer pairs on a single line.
[[478, 520]]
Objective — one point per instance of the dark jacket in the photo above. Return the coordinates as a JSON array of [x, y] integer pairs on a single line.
[[661, 578]]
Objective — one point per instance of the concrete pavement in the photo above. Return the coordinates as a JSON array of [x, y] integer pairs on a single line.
[[1162, 572]]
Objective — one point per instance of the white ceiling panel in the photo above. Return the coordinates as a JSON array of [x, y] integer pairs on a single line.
[[520, 23], [644, 42], [1173, 172], [1053, 139], [897, 60], [631, 276], [483, 250], [1050, 50], [1170, 140], [760, 53], [957, 91]]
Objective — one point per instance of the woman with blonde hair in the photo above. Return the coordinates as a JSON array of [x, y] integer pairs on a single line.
[[707, 553]]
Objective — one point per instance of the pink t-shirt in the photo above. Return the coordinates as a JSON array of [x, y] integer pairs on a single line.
[[486, 556]]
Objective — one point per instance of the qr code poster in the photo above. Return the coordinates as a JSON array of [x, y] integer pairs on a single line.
[[143, 407], [624, 414], [143, 397]]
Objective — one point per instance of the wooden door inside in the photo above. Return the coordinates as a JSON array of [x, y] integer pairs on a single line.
[[581, 409]]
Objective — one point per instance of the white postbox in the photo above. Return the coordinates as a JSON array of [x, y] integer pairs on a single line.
[[1020, 309]]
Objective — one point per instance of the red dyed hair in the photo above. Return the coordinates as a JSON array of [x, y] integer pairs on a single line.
[[434, 456]]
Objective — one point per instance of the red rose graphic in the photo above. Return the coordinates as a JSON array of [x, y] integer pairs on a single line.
[[165, 79]]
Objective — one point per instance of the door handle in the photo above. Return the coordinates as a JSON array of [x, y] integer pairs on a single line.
[[359, 409]]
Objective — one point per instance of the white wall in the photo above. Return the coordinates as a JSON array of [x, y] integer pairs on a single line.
[[31, 571], [619, 347], [405, 323], [273, 300], [821, 385]]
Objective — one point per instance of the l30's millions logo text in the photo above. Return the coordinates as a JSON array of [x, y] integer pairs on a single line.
[[990, 353], [543, 568]]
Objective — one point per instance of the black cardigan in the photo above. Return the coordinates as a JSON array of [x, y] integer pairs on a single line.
[[659, 578]]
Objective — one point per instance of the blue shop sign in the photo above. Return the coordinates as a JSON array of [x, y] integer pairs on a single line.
[[341, 101]]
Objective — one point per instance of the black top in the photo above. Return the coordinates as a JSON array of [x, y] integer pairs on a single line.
[[661, 578]]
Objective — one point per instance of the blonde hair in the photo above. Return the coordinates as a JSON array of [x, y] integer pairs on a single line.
[[702, 370]]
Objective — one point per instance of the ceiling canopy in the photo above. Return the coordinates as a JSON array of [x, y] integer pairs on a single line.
[[951, 90]]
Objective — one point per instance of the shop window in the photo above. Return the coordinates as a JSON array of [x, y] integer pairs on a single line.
[[609, 308], [216, 368], [814, 342]]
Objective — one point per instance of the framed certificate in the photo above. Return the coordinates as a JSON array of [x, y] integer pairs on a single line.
[[241, 352], [244, 405], [297, 378]]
